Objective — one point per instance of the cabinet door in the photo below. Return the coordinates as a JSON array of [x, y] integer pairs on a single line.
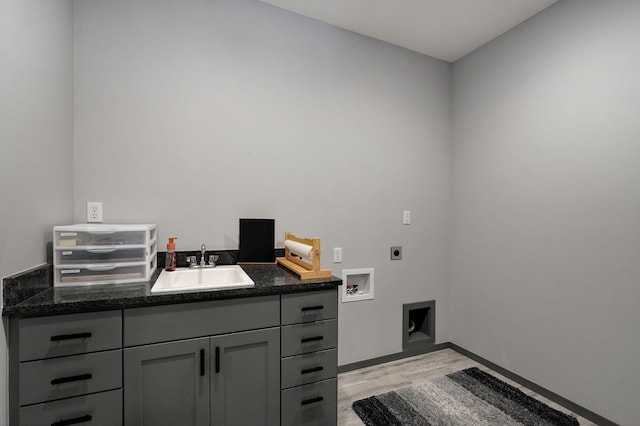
[[167, 384], [245, 378]]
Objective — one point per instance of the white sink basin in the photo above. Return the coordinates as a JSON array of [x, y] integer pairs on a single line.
[[219, 278]]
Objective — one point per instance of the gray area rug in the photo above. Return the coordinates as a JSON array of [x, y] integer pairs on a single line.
[[466, 397]]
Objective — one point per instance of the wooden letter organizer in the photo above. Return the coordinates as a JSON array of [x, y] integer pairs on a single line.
[[296, 264]]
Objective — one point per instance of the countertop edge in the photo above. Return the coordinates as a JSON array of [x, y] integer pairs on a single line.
[[51, 301]]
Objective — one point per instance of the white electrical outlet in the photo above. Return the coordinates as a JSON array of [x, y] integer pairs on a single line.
[[94, 211], [406, 217], [337, 255]]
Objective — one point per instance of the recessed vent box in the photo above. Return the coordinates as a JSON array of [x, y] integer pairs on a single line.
[[89, 254]]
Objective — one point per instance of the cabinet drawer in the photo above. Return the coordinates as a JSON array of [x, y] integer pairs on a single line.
[[309, 337], [101, 235], [107, 273], [302, 369], [102, 409], [101, 255], [307, 307], [47, 337], [313, 404], [157, 324], [58, 378]]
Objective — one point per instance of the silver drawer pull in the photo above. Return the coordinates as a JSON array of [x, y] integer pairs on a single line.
[[311, 400], [311, 339], [312, 308], [103, 268], [78, 378], [102, 231], [312, 370], [73, 421], [101, 250], [70, 336]]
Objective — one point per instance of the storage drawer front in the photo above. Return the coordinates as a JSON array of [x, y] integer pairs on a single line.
[[101, 255], [313, 404], [99, 238], [47, 337], [308, 368], [309, 337], [97, 274], [307, 307], [157, 324], [101, 409], [57, 378]]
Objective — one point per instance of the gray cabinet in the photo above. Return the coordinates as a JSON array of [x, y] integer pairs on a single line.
[[66, 369], [230, 375], [167, 384], [98, 409], [311, 404], [65, 377], [309, 358], [265, 360], [57, 336], [245, 378]]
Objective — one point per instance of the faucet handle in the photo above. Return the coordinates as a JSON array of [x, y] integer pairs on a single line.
[[213, 259], [191, 260]]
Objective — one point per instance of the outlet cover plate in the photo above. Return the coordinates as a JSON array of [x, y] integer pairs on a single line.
[[406, 217], [94, 211], [396, 253], [337, 255]]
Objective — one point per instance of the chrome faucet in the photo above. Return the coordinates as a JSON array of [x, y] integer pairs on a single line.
[[191, 260]]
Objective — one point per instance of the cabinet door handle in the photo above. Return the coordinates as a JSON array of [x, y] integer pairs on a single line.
[[312, 370], [73, 421], [217, 359], [201, 362], [312, 308], [70, 336], [311, 400], [70, 379], [311, 339]]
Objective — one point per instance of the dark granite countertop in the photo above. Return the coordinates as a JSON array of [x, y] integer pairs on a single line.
[[33, 295]]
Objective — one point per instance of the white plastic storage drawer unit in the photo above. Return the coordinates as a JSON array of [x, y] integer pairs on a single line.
[[103, 254]]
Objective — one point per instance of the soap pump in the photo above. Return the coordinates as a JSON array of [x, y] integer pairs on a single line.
[[170, 261]]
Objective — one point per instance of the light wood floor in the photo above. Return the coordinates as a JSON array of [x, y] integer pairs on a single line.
[[365, 382]]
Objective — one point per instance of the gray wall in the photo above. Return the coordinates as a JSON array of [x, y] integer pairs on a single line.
[[546, 247], [36, 130], [193, 114]]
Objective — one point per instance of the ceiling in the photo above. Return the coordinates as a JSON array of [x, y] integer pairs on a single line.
[[444, 29]]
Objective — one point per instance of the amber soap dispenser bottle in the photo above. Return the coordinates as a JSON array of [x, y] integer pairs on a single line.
[[170, 261]]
